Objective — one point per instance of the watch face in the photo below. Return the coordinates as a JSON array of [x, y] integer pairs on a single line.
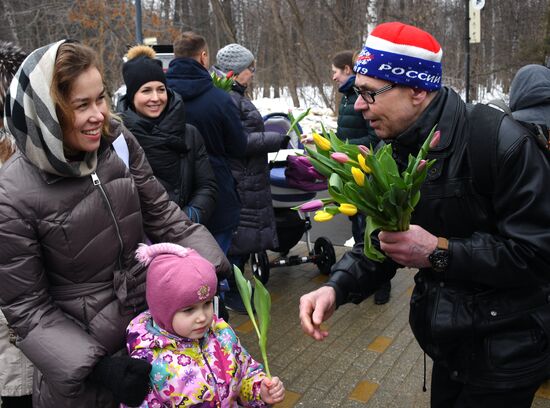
[[439, 259]]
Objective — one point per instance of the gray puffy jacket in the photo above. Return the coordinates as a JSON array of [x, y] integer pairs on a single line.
[[70, 283], [257, 230]]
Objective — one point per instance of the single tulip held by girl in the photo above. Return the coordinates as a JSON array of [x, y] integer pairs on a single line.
[[361, 180], [262, 304]]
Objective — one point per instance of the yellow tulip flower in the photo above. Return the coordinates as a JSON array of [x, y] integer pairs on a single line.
[[348, 209], [358, 176], [363, 164], [321, 142], [322, 216]]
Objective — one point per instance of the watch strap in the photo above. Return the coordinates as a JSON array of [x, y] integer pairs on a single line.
[[442, 243]]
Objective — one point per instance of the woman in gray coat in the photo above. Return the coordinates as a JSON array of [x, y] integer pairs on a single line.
[[71, 217], [256, 231]]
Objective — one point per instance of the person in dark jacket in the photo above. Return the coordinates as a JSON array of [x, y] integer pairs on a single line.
[[156, 117], [530, 95], [212, 111], [480, 306], [256, 231], [72, 215], [356, 130]]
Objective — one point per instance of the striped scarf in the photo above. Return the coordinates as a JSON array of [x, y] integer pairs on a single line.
[[31, 118]]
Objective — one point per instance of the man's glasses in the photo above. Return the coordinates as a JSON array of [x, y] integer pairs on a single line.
[[368, 96], [252, 69]]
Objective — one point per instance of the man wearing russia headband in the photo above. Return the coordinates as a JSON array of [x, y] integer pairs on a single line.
[[481, 304]]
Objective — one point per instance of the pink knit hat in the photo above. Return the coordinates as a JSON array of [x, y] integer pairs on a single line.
[[177, 277]]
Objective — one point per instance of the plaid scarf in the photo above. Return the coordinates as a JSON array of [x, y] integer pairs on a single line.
[[31, 118]]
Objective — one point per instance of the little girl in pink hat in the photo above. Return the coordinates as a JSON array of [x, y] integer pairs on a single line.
[[196, 357]]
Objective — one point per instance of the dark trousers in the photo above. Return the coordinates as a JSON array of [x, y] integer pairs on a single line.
[[447, 393], [17, 402]]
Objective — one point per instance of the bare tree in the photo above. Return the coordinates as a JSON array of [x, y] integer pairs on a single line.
[[293, 40]]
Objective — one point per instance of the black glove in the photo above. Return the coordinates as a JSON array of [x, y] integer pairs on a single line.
[[284, 143], [126, 377]]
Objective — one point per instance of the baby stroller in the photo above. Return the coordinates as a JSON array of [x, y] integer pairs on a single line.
[[291, 225]]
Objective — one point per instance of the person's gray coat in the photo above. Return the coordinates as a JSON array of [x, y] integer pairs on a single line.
[[71, 283], [256, 231]]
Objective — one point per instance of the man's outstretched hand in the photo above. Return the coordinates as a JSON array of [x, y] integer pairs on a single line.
[[315, 308]]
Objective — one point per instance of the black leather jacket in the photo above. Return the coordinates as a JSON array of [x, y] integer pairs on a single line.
[[488, 316]]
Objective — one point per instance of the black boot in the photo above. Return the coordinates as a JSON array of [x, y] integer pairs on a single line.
[[382, 295]]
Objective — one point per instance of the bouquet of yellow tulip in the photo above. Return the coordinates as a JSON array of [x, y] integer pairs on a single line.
[[369, 182]]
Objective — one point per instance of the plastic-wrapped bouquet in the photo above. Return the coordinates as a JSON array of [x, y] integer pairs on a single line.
[[223, 82], [369, 182]]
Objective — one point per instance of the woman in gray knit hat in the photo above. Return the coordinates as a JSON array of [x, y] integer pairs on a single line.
[[256, 231]]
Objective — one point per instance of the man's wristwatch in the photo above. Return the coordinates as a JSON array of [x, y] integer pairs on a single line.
[[439, 258]]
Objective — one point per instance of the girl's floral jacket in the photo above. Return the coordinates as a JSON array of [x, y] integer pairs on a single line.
[[215, 371]]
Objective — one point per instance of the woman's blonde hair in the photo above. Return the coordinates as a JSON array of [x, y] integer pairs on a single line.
[[72, 59]]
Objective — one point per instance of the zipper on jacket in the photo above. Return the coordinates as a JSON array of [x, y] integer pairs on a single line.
[[97, 182], [214, 382]]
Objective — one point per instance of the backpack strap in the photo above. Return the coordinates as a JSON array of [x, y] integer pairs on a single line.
[[541, 134], [484, 125]]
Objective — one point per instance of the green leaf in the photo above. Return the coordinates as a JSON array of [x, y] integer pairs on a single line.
[[320, 167], [291, 116], [262, 303], [353, 191], [335, 188], [387, 163], [244, 290], [378, 173], [328, 162], [334, 140], [368, 249], [294, 122], [415, 199]]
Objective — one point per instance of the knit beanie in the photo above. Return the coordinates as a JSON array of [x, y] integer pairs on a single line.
[[234, 57], [401, 54], [177, 277], [141, 68]]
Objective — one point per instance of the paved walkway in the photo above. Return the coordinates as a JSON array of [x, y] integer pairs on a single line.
[[370, 358]]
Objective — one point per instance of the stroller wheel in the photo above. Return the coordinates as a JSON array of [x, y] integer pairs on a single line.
[[260, 266], [324, 255]]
